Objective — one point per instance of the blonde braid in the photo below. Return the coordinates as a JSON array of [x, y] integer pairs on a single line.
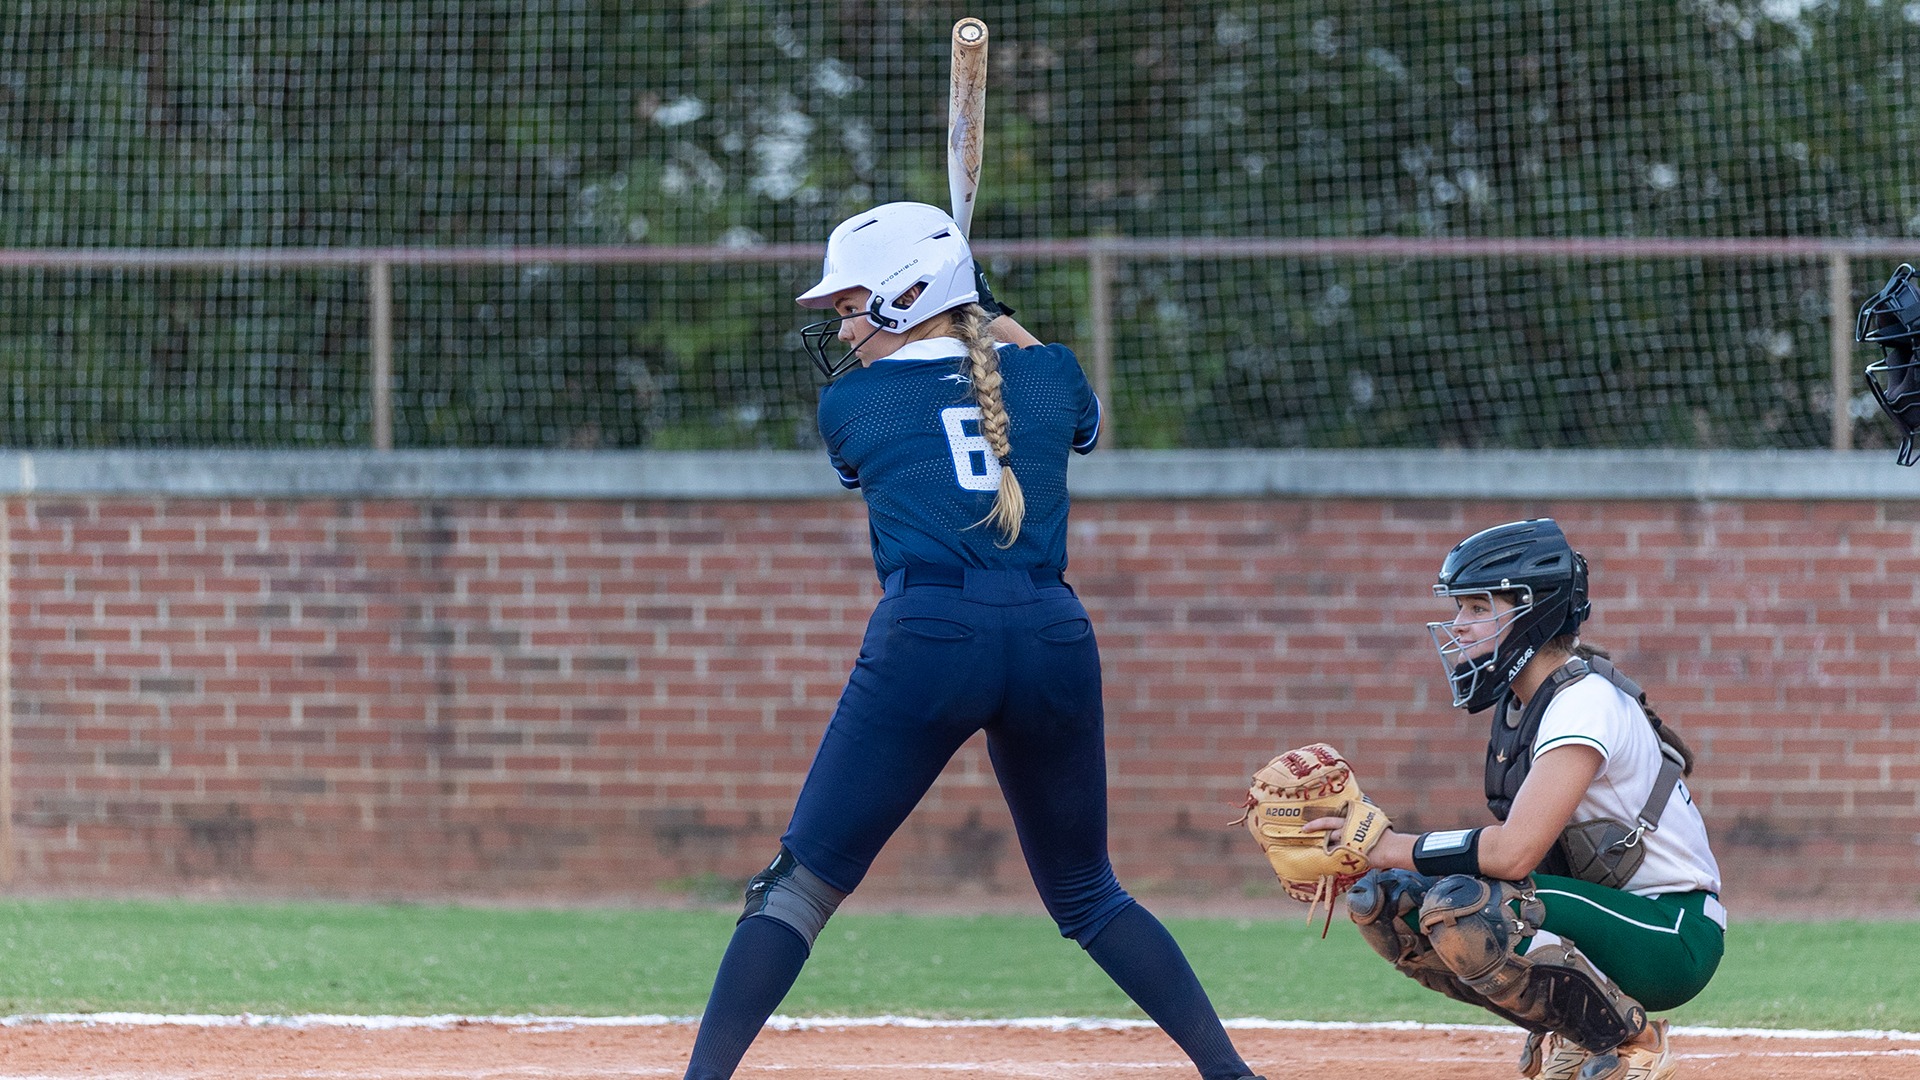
[[983, 368]]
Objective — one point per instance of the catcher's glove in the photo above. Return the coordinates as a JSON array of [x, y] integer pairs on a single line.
[[1300, 786]]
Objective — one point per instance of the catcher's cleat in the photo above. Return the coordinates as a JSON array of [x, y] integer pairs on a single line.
[[1648, 1056], [1547, 1056]]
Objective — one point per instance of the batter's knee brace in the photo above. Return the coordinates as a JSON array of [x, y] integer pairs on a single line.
[[793, 895], [1474, 925]]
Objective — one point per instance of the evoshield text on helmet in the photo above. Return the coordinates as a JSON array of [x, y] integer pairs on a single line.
[[1891, 319], [912, 259], [1541, 585]]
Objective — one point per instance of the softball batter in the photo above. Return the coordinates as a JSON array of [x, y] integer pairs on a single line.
[[955, 425], [1621, 913]]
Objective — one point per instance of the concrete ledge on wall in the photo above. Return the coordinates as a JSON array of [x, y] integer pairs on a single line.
[[1123, 474], [1493, 474]]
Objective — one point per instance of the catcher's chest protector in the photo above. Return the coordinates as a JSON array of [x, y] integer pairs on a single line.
[[1510, 748]]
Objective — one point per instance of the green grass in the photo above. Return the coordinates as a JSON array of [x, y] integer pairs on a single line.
[[88, 956]]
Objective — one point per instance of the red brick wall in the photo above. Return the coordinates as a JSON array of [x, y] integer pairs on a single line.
[[608, 699]]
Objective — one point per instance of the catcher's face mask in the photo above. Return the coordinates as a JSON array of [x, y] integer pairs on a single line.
[[1469, 643], [1543, 580]]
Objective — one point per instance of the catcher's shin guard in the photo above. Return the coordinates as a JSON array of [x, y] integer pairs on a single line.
[[1379, 904], [1474, 923]]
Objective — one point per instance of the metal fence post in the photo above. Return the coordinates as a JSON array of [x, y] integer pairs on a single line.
[[380, 341], [1100, 313], [1840, 346]]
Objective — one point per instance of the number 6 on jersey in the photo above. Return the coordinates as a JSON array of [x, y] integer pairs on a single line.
[[974, 466]]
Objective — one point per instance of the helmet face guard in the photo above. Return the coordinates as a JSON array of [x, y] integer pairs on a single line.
[[1529, 561], [1891, 319], [1476, 677], [821, 338], [1895, 382]]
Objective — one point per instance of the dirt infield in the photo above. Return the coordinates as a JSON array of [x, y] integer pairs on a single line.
[[486, 1051]]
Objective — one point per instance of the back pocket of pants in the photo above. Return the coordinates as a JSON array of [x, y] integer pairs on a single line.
[[933, 629], [1065, 632]]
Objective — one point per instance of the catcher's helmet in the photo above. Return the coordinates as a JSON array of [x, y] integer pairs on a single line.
[[889, 250], [1529, 562], [1891, 319]]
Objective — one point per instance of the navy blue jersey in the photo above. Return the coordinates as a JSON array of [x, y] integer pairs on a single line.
[[905, 431]]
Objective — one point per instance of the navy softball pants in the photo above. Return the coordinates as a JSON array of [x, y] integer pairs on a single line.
[[995, 652], [998, 653]]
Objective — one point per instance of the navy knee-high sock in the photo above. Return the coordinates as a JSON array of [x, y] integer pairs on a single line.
[[1143, 959], [762, 960]]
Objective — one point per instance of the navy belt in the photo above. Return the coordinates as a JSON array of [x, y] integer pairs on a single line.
[[954, 577]]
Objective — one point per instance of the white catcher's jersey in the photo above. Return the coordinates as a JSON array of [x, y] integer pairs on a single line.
[[1594, 712]]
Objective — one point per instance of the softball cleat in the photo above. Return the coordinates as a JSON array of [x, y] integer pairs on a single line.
[[1649, 1056], [1550, 1057]]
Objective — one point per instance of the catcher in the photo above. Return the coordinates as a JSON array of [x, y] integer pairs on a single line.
[[1594, 899]]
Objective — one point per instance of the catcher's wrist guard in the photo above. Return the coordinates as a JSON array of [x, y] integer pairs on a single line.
[[1457, 851]]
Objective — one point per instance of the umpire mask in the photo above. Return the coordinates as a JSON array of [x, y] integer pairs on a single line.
[[1891, 319]]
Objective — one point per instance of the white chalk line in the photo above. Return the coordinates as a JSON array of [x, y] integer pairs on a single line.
[[254, 1072], [1011, 1069], [1806, 1054], [536, 1023], [380, 1072], [1030, 1070]]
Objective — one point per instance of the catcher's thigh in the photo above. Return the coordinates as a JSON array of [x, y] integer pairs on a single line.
[[1474, 923], [1663, 950]]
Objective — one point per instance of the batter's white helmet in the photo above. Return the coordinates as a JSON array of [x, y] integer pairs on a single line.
[[889, 250]]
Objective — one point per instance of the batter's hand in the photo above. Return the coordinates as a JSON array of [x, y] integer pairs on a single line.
[[987, 299]]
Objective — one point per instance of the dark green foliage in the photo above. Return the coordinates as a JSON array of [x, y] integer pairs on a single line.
[[303, 123]]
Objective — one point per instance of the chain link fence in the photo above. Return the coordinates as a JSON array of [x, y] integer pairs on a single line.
[[654, 185]]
